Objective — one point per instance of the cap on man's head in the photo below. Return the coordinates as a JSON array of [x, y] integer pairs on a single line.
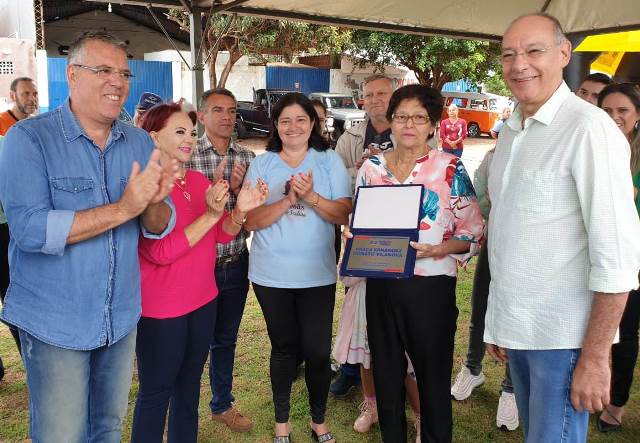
[[147, 101]]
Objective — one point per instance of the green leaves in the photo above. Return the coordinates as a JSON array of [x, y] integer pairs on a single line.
[[435, 60]]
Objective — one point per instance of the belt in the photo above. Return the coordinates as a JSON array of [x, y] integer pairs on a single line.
[[227, 260]]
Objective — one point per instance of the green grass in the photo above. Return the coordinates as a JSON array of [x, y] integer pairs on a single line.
[[474, 419]]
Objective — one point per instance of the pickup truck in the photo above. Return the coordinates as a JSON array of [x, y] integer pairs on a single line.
[[255, 117], [342, 108]]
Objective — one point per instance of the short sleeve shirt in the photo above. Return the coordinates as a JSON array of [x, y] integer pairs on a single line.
[[498, 126], [297, 251], [7, 120]]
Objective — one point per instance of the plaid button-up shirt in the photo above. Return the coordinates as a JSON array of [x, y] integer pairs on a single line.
[[206, 159]]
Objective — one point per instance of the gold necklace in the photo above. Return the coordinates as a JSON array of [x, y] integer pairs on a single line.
[[181, 182]]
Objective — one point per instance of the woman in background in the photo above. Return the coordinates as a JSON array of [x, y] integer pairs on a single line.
[[622, 102], [453, 131]]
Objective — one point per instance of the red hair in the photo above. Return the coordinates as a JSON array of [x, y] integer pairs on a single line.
[[156, 118]]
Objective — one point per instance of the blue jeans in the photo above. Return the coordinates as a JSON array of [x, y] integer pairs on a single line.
[[233, 284], [351, 370], [77, 396], [542, 384]]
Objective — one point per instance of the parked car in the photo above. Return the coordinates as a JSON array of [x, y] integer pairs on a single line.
[[342, 108], [480, 110], [255, 117]]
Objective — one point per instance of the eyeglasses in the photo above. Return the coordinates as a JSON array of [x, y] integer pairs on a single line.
[[532, 53], [105, 72], [417, 119]]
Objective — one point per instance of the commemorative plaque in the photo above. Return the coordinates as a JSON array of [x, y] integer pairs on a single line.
[[384, 220]]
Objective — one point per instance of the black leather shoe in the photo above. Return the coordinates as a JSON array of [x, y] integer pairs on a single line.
[[605, 427]]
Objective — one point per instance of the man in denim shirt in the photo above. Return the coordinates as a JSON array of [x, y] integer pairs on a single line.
[[76, 201]]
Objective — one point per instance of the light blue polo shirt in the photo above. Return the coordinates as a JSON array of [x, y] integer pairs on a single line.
[[297, 251]]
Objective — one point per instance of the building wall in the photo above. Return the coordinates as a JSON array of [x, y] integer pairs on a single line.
[[349, 78], [242, 80], [150, 76], [141, 39], [305, 80], [17, 19], [17, 59]]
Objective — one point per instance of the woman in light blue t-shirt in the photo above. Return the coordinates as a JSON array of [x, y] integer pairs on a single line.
[[292, 263]]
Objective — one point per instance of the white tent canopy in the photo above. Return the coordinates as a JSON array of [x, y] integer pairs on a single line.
[[478, 19], [483, 19]]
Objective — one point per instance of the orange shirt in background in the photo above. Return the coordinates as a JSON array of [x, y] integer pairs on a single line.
[[7, 120]]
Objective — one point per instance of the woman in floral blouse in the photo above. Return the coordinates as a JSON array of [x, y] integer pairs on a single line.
[[418, 315]]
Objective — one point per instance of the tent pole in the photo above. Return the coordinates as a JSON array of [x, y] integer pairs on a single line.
[[197, 67], [578, 67]]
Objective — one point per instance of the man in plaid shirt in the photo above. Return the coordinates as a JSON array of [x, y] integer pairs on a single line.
[[218, 157]]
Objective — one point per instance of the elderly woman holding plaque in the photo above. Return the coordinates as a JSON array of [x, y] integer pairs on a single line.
[[417, 315]]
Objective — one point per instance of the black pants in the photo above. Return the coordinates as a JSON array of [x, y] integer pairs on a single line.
[[479, 298], [299, 321], [416, 315], [624, 354], [171, 354], [4, 274]]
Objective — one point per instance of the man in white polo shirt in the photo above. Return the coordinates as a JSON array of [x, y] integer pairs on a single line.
[[564, 238]]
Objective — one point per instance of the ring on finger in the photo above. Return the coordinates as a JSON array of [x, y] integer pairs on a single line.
[[219, 199]]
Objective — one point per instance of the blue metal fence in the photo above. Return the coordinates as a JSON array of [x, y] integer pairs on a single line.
[[304, 80], [150, 76]]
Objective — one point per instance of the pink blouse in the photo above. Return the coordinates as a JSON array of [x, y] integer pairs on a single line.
[[453, 131], [449, 210], [176, 278]]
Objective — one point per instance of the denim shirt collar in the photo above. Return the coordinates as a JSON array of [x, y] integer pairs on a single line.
[[71, 128]]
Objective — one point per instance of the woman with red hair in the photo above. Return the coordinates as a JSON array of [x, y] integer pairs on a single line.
[[178, 285]]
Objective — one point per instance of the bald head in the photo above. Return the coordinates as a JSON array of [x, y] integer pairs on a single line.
[[550, 19], [534, 53]]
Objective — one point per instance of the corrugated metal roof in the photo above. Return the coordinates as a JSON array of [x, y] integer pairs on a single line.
[[60, 9]]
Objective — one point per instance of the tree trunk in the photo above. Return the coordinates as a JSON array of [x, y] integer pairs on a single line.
[[213, 76], [424, 77], [234, 56], [440, 81], [210, 41]]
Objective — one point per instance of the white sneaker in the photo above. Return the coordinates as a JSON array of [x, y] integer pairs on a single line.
[[507, 415], [465, 383], [368, 416], [417, 425]]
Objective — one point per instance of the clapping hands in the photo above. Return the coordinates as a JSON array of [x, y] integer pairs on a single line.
[[250, 197], [302, 185], [217, 197]]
